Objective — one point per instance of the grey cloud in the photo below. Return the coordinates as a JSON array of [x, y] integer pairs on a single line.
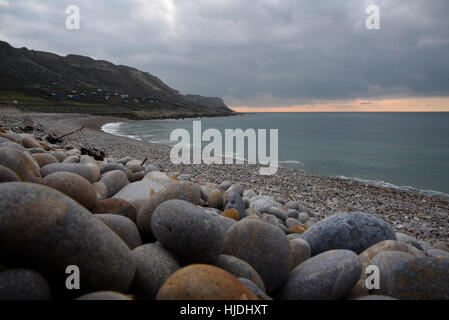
[[253, 52]]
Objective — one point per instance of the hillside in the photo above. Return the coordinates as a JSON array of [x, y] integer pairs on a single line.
[[45, 82]]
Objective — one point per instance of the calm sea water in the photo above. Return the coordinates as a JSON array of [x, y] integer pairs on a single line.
[[405, 150]]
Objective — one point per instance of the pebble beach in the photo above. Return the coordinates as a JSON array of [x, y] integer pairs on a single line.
[[140, 227]]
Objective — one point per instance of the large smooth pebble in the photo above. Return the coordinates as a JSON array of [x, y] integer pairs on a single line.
[[138, 190], [77, 168], [327, 276], [21, 163], [154, 265], [187, 230], [115, 181], [116, 206], [262, 245], [47, 232], [353, 231], [123, 227], [23, 284], [204, 282], [183, 190], [74, 186]]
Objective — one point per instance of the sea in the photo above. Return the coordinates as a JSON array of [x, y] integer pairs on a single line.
[[407, 151]]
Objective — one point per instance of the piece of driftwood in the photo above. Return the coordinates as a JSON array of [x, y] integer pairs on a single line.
[[70, 133], [143, 162], [47, 146]]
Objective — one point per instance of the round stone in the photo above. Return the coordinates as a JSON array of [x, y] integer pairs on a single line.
[[134, 166], [437, 253], [77, 168], [278, 213], [7, 175], [249, 194], [303, 217], [300, 251], [74, 186], [187, 230], [441, 245], [72, 159], [327, 276], [102, 191], [30, 142], [47, 231], [21, 163], [104, 295], [85, 159], [138, 190], [231, 213], [115, 166], [225, 185], [215, 199], [367, 255], [118, 207], [235, 201], [123, 227], [114, 180], [204, 282], [43, 159], [353, 231], [154, 265], [23, 284], [240, 269], [421, 278], [263, 203], [405, 237], [183, 190], [385, 261], [262, 245], [159, 177], [292, 222], [59, 155]]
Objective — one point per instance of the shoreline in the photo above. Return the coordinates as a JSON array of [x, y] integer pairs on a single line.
[[376, 183], [423, 216]]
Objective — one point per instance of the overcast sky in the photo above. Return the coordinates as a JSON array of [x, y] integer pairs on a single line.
[[265, 53]]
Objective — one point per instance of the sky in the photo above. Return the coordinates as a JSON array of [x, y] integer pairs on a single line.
[[259, 55]]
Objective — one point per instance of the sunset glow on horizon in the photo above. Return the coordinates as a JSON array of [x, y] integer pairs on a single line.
[[415, 104]]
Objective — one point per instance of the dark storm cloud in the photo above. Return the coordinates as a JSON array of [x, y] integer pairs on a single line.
[[253, 52]]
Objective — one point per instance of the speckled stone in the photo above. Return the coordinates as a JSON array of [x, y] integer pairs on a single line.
[[353, 231], [303, 217], [77, 168], [421, 278], [104, 295], [74, 186], [262, 245], [204, 282], [23, 284], [115, 181], [327, 276], [123, 227], [21, 163], [7, 175], [134, 166], [225, 185], [263, 203], [102, 191], [115, 166], [278, 213], [47, 218], [116, 206], [183, 190], [187, 230], [300, 252], [240, 269], [154, 265], [43, 159], [215, 199]]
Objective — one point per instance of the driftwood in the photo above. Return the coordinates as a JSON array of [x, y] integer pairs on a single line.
[[143, 162], [70, 133], [98, 155], [46, 146]]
